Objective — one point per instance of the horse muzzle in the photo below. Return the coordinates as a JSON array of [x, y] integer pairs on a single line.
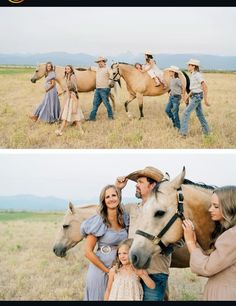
[[33, 80], [140, 260], [60, 250]]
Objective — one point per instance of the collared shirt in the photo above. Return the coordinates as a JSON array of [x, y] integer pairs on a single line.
[[102, 76], [196, 79], [159, 263], [175, 86]]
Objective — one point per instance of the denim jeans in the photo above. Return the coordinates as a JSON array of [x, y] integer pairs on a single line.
[[195, 104], [101, 95], [158, 293], [172, 109]]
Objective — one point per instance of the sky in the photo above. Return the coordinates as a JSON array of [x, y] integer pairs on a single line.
[[81, 174], [114, 30]]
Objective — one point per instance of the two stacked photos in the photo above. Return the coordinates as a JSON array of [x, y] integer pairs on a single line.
[[117, 154]]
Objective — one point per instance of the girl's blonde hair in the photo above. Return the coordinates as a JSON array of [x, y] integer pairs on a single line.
[[126, 242]]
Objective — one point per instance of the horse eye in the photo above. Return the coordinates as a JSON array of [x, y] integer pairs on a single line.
[[65, 226], [159, 213]]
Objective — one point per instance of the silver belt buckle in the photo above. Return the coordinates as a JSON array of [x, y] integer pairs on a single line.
[[106, 249]]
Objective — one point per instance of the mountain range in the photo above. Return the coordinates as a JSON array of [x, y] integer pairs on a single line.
[[208, 62], [29, 202]]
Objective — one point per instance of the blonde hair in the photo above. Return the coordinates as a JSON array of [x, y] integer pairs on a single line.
[[227, 206], [116, 262], [227, 201]]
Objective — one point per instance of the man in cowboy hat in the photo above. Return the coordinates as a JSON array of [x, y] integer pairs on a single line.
[[102, 89], [158, 270], [198, 91]]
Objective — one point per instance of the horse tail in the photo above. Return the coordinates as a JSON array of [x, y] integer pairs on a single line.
[[187, 81]]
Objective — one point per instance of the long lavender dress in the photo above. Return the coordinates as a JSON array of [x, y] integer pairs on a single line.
[[96, 280], [49, 109]]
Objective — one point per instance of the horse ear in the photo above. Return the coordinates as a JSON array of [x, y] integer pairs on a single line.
[[72, 208], [178, 181]]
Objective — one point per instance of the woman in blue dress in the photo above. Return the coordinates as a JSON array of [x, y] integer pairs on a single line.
[[106, 230], [49, 109]]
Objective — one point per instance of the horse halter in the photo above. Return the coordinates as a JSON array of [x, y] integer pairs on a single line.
[[157, 238], [118, 73]]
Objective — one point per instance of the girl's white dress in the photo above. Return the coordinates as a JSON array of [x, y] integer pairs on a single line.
[[126, 287]]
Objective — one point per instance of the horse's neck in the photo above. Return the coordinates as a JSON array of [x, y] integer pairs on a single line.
[[196, 208], [126, 73], [60, 77]]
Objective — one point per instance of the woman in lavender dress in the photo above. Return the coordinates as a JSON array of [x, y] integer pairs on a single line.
[[49, 109], [106, 230]]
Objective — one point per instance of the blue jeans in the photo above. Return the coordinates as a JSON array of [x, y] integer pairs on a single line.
[[172, 110], [158, 293], [101, 95], [195, 104]]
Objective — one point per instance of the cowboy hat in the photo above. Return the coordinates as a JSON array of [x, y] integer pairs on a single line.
[[194, 62], [148, 52], [174, 68], [150, 172], [101, 59]]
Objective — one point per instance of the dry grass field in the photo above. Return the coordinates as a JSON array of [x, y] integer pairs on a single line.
[[30, 271], [19, 98]]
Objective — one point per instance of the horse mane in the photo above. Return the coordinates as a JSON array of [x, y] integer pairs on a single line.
[[201, 185], [124, 63]]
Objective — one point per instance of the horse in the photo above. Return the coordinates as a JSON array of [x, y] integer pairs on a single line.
[[161, 222], [68, 234], [140, 84], [86, 79]]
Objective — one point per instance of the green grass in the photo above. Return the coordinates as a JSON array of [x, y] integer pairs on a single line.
[[17, 70], [30, 216]]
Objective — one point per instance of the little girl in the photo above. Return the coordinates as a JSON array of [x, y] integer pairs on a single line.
[[155, 73], [72, 111], [124, 280]]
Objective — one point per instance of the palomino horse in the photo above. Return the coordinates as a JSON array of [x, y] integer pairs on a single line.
[[86, 79], [140, 84], [69, 233], [161, 223]]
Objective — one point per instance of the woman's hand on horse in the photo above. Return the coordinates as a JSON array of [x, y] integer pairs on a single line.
[[189, 233]]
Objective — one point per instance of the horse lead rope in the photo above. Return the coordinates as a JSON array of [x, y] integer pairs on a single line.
[[157, 238]]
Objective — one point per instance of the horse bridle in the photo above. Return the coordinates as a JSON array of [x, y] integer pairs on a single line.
[[157, 238], [118, 73]]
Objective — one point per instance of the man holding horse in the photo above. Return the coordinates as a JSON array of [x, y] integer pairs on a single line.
[[158, 269], [102, 89]]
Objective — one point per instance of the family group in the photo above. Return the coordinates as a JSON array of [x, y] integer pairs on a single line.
[[49, 110], [109, 235]]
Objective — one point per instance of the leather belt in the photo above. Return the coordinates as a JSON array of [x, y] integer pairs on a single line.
[[106, 249]]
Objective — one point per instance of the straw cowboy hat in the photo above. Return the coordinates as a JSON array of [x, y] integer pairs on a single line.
[[174, 68], [194, 62], [148, 52], [100, 59], [150, 172]]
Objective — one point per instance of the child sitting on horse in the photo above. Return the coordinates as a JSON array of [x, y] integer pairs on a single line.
[[151, 68]]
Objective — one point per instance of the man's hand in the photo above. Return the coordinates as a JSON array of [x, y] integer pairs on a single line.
[[121, 182]]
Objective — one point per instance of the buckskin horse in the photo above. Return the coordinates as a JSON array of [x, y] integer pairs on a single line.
[[161, 224], [140, 84]]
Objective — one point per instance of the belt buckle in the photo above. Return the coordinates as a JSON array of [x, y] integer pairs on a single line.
[[106, 249]]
